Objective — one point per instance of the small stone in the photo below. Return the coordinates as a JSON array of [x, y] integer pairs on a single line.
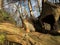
[[47, 26]]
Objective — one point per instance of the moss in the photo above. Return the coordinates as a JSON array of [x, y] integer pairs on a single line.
[[2, 38], [4, 16]]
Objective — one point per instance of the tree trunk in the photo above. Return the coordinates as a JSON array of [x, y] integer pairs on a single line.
[[30, 7], [1, 4], [38, 4]]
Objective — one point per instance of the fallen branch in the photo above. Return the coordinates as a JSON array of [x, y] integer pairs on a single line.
[[14, 34]]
